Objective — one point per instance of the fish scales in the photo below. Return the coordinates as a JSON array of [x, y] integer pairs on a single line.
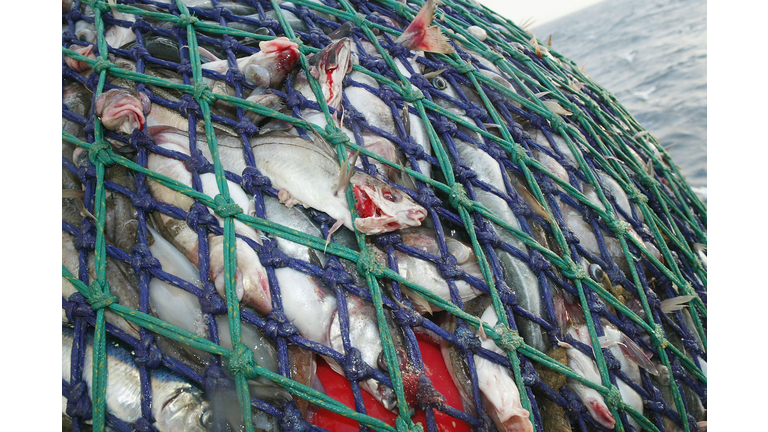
[[572, 191]]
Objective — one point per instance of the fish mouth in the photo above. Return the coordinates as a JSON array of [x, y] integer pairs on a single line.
[[284, 55], [379, 214], [122, 110], [601, 414], [80, 66]]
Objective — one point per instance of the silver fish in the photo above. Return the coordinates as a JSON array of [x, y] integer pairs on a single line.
[[177, 404]]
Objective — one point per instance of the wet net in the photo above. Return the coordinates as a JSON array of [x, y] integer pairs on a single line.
[[544, 109]]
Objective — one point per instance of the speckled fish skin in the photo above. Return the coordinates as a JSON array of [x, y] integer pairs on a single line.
[[177, 405]]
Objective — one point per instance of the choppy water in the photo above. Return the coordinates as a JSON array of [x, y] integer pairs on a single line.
[[653, 56]]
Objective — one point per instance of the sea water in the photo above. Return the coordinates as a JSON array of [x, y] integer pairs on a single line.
[[652, 55]]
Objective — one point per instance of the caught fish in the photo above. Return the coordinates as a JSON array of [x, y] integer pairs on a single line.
[[177, 404], [500, 394], [421, 36]]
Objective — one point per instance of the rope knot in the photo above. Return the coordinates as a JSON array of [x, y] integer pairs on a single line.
[[100, 152], [409, 425], [253, 180], [537, 262], [613, 397], [408, 317], [520, 155], [147, 353], [336, 137], [458, 197], [186, 20], [225, 207], [367, 263], [77, 307], [210, 302], [573, 271], [355, 369], [101, 65], [393, 238], [359, 19], [196, 162], [657, 337], [279, 325], [509, 340], [140, 139], [466, 340], [246, 127], [334, 273], [427, 198], [464, 68], [448, 270], [188, 106], [241, 361], [411, 93], [445, 127], [273, 257], [635, 195], [556, 122], [493, 56], [647, 180], [100, 300], [78, 402], [142, 259], [618, 226], [201, 91], [199, 215], [142, 425]]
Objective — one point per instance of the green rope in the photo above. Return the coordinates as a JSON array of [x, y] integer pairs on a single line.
[[606, 135]]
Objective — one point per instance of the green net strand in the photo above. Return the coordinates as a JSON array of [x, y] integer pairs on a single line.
[[102, 155]]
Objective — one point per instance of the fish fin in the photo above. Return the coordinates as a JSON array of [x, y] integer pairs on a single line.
[[676, 303], [79, 196], [417, 299], [406, 119], [433, 74], [556, 108], [606, 343], [333, 229], [536, 44], [544, 93], [637, 355], [565, 345], [649, 167], [549, 41], [419, 37], [640, 134], [346, 173], [335, 366], [435, 41], [313, 258]]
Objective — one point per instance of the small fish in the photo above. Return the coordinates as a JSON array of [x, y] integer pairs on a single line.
[[421, 36]]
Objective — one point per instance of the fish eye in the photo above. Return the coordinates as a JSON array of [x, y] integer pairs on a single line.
[[596, 272], [382, 362], [390, 195], [439, 83]]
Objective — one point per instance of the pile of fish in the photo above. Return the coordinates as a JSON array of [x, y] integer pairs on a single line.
[[302, 306]]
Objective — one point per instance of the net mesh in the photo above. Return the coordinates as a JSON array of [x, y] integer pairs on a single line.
[[554, 110]]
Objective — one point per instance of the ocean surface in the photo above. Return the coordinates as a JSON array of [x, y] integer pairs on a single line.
[[652, 55]]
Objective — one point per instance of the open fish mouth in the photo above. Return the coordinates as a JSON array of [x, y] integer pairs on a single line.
[[383, 210], [122, 110]]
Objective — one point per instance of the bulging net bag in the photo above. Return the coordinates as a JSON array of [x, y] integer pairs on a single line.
[[352, 214]]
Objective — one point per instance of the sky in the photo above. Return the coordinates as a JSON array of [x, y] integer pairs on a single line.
[[540, 10]]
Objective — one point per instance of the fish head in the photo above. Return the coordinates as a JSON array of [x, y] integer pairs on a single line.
[[80, 66], [383, 208], [122, 110], [330, 66], [273, 63], [185, 412]]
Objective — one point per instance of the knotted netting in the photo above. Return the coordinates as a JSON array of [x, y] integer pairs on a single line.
[[545, 109]]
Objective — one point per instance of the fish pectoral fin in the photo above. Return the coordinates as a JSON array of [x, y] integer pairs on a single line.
[[419, 300], [345, 174]]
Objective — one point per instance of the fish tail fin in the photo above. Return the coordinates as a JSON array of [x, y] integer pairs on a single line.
[[675, 303]]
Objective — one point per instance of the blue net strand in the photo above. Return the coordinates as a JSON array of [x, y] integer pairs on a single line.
[[338, 279]]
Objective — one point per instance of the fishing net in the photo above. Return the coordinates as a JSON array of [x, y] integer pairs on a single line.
[[557, 101]]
